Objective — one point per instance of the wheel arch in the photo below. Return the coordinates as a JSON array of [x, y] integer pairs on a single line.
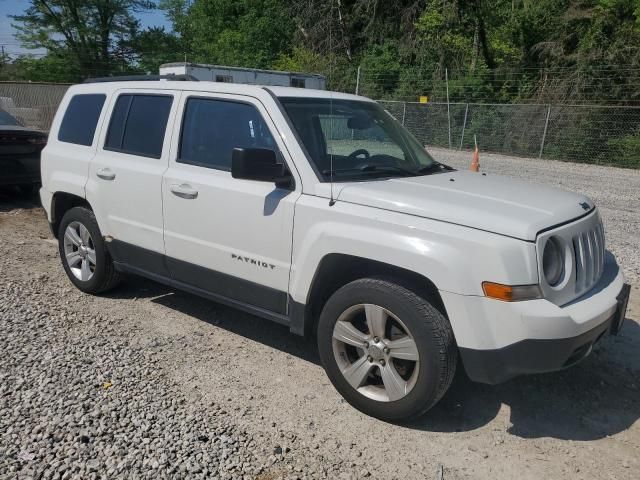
[[336, 270], [61, 203]]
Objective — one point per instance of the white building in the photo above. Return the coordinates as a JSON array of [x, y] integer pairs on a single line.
[[254, 76]]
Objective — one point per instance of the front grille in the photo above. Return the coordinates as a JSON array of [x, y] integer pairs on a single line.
[[584, 245], [588, 248]]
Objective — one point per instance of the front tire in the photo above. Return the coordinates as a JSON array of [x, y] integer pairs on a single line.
[[83, 252], [387, 350]]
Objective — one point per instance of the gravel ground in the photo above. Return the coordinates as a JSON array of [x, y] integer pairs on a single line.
[[615, 191], [79, 401], [87, 393], [146, 382]]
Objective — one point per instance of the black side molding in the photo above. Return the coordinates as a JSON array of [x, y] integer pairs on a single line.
[[228, 286], [252, 309], [146, 260], [220, 287]]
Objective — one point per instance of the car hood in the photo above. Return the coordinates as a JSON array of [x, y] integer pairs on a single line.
[[493, 203]]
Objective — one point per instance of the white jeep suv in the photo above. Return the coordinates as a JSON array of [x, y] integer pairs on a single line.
[[319, 211]]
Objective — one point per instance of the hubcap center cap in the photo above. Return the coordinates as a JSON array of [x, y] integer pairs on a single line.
[[376, 351]]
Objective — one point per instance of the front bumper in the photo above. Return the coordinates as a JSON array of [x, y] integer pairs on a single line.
[[501, 340], [530, 356]]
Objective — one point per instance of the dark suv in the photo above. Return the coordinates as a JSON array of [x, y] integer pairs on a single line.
[[20, 149]]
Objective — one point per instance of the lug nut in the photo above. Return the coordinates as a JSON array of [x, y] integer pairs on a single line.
[[370, 358], [382, 362], [386, 350], [376, 339], [366, 344]]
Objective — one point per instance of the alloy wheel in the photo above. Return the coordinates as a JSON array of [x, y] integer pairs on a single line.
[[375, 352], [79, 251]]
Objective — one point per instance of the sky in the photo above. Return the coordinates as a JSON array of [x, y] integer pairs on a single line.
[[15, 7]]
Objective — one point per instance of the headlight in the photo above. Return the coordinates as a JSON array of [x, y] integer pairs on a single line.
[[553, 262]]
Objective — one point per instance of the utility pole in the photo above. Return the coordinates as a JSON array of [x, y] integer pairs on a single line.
[[3, 60]]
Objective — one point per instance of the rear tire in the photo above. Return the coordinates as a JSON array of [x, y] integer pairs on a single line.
[[387, 350], [83, 252]]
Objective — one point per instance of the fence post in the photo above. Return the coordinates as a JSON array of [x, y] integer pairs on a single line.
[[464, 126], [446, 77], [404, 111], [544, 132], [358, 81]]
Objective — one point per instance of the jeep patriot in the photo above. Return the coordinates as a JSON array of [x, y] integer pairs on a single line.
[[319, 211]]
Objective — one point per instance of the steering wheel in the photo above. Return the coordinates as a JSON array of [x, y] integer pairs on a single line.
[[360, 151]]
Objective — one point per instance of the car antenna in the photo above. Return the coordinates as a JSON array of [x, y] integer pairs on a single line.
[[332, 201]]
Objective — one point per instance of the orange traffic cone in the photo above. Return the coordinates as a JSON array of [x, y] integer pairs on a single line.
[[475, 161]]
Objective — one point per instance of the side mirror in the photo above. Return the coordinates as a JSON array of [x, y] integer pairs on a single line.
[[260, 164]]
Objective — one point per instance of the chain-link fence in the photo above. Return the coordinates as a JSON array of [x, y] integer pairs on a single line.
[[33, 104], [587, 134]]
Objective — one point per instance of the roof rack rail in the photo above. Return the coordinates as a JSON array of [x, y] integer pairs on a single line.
[[139, 78]]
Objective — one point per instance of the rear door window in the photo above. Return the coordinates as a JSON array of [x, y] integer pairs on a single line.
[[138, 124], [81, 119]]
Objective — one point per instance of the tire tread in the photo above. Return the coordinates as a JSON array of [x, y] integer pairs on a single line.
[[111, 277], [435, 326], [440, 329]]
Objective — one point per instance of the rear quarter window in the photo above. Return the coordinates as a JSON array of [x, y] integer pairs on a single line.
[[81, 119]]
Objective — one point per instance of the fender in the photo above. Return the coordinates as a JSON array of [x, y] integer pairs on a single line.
[[65, 166], [456, 259]]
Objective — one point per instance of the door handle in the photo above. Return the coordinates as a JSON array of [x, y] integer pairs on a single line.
[[106, 174], [184, 191]]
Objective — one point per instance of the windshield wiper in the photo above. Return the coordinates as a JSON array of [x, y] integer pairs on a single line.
[[386, 168], [434, 167], [373, 168]]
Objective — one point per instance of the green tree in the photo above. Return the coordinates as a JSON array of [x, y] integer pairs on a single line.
[[154, 46], [249, 33], [6, 67], [49, 68], [89, 34]]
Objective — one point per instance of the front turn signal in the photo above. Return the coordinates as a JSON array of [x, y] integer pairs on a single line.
[[511, 293]]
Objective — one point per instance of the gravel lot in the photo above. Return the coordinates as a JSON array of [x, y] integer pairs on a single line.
[[146, 382]]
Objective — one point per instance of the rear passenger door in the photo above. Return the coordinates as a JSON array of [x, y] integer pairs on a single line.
[[125, 176], [225, 236]]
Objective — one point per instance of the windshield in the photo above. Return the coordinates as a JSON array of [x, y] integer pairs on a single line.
[[360, 139], [6, 119]]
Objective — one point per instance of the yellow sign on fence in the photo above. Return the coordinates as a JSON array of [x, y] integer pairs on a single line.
[[424, 99]]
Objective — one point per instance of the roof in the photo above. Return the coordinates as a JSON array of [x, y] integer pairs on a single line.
[[215, 87], [312, 93], [240, 69]]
